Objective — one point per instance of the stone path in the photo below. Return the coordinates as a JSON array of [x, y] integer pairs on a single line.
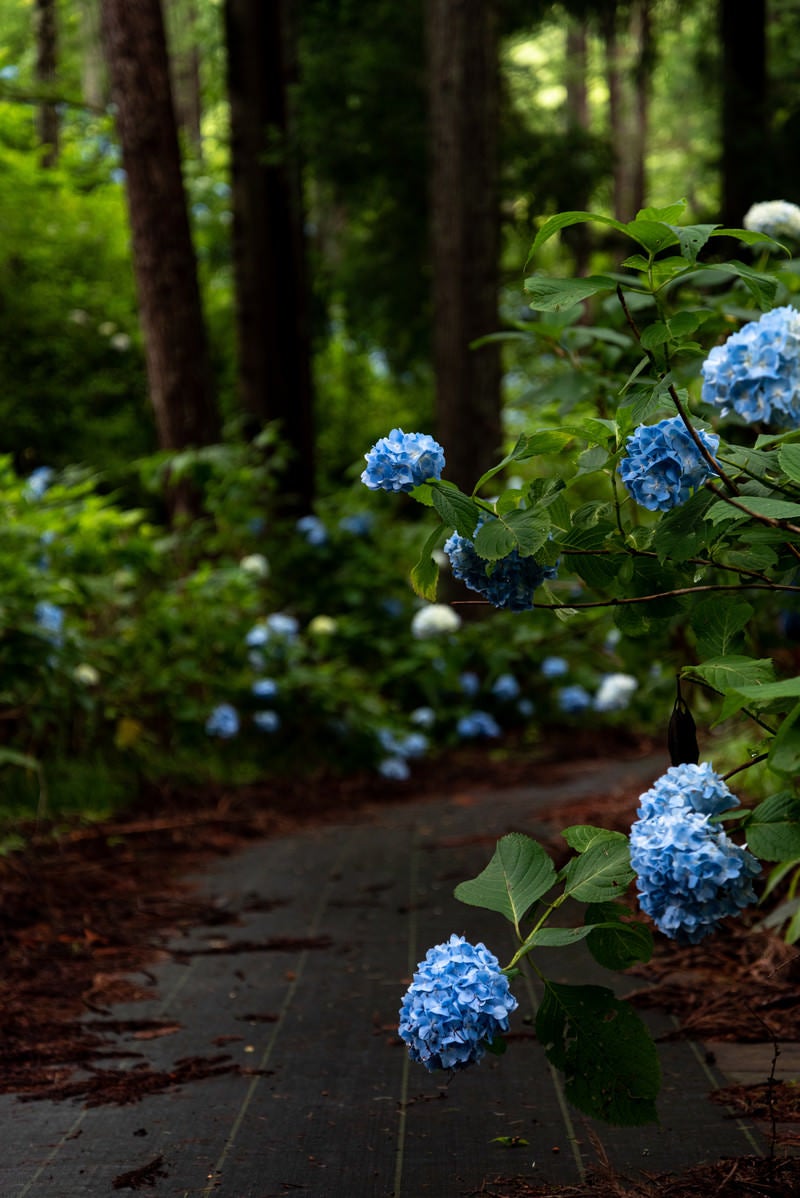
[[304, 993]]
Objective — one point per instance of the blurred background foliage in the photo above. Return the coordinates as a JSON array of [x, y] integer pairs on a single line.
[[600, 104]]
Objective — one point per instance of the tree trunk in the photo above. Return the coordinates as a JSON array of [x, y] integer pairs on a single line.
[[577, 237], [94, 84], [641, 87], [163, 256], [465, 231], [184, 59], [46, 21], [746, 165], [268, 238]]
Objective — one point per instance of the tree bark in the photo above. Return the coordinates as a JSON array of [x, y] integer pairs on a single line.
[[46, 22], [94, 84], [184, 57], [268, 239], [746, 159], [465, 231], [163, 255]]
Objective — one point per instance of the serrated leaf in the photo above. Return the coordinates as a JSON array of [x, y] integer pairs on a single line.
[[609, 1062], [554, 295], [734, 672], [456, 509], [603, 871], [773, 829], [654, 235], [789, 459], [620, 945], [557, 937], [654, 335], [580, 837], [519, 873], [529, 445], [669, 214], [718, 623], [784, 751]]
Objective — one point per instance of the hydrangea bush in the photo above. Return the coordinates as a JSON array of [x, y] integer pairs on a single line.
[[649, 511]]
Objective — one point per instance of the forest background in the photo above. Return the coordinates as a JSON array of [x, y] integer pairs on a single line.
[[242, 242]]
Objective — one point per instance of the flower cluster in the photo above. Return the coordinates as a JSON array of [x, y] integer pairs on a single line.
[[478, 725], [663, 465], [399, 751], [756, 373], [435, 619], [458, 1002], [776, 218], [402, 461], [508, 583], [614, 692], [223, 721], [690, 873]]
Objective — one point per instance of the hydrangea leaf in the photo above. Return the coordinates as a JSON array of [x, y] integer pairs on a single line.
[[557, 937], [692, 238], [554, 295], [580, 837], [613, 942], [760, 505], [773, 829], [762, 287], [733, 673], [718, 623], [601, 872], [609, 1062], [789, 458], [519, 873], [425, 574], [784, 752], [456, 509], [562, 220], [529, 445]]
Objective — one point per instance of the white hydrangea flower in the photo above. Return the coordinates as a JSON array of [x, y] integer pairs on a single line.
[[86, 674], [322, 626], [437, 619], [775, 218], [614, 692], [255, 564]]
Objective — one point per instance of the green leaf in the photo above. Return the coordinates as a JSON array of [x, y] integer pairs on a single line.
[[581, 837], [773, 829], [553, 295], [529, 445], [669, 214], [523, 529], [692, 238], [615, 941], [654, 235], [718, 623], [784, 752], [563, 220], [557, 937], [734, 672], [519, 873], [654, 335], [425, 574], [600, 1044], [602, 871], [592, 459], [456, 509], [762, 287], [789, 458]]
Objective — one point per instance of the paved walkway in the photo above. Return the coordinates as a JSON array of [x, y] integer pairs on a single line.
[[334, 921]]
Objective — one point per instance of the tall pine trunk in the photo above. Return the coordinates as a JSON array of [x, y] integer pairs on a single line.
[[164, 262], [465, 231], [268, 238]]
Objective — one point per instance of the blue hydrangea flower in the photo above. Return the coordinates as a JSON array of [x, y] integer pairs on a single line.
[[525, 708], [554, 667], [476, 725], [411, 744], [38, 482], [469, 682], [223, 721], [50, 618], [277, 626], [756, 373], [395, 769], [663, 466], [312, 529], [458, 1002], [402, 461], [687, 787], [265, 688], [358, 525], [267, 721], [508, 583], [690, 873], [574, 699], [505, 686]]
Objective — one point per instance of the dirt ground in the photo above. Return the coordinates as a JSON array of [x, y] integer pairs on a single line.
[[87, 908]]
